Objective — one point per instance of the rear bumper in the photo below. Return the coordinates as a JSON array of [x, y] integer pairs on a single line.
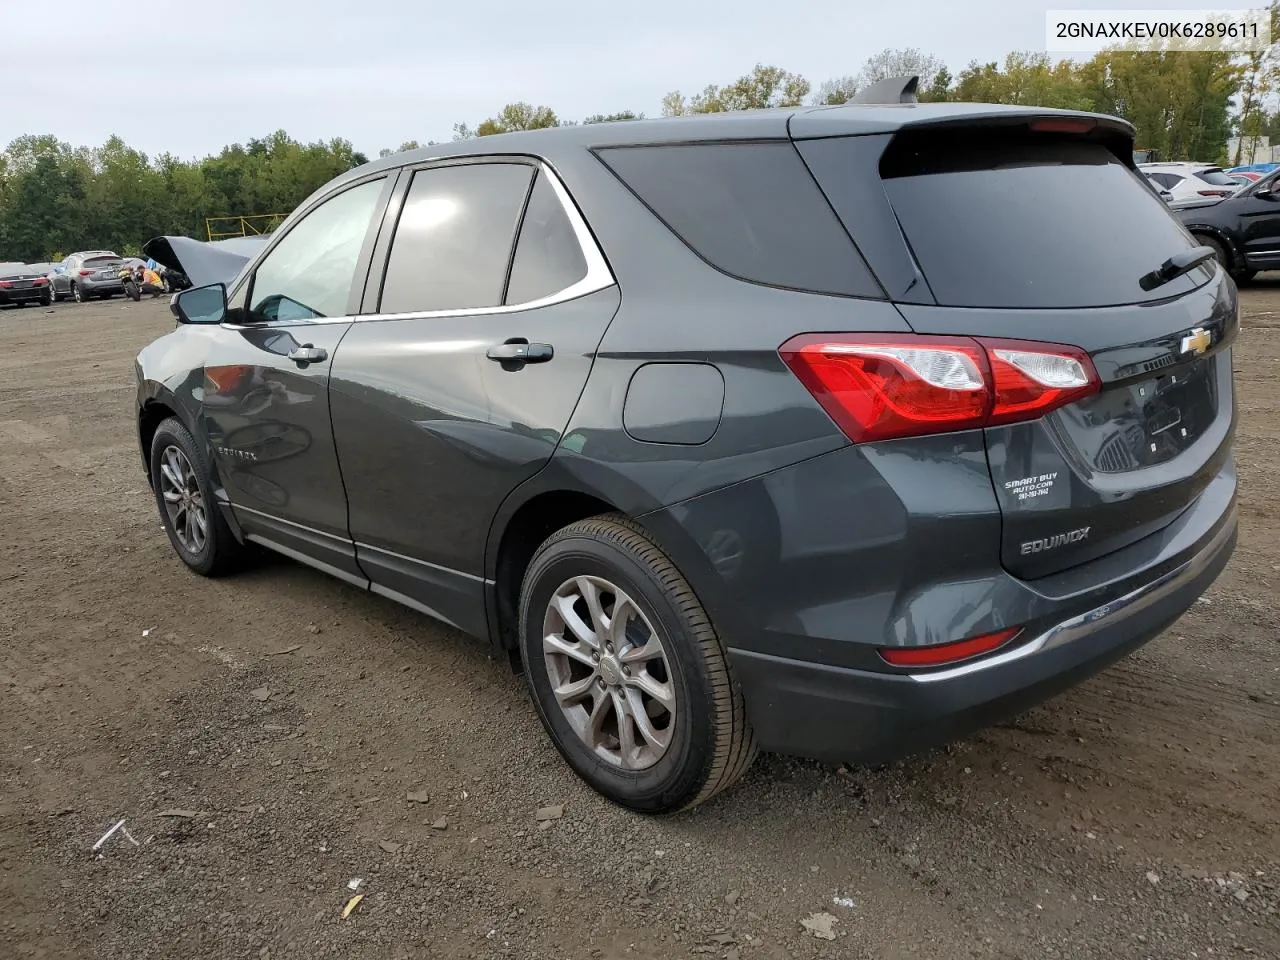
[[26, 295], [90, 285], [835, 713]]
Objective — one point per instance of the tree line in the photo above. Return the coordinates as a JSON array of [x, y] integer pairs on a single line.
[[56, 198]]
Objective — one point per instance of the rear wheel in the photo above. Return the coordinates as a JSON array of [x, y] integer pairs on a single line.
[[183, 488], [47, 300], [627, 672]]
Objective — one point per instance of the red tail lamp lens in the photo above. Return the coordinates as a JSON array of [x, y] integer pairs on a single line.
[[886, 386]]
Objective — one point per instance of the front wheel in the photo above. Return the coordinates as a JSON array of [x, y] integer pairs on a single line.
[[1224, 258], [76, 293], [627, 673], [183, 487]]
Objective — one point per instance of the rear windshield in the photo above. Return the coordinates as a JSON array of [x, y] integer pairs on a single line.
[[100, 261], [1030, 222], [1216, 177]]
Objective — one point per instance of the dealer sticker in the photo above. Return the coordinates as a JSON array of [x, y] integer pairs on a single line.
[[1028, 488]]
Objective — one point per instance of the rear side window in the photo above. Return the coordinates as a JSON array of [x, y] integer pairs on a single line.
[[453, 241], [1216, 177], [751, 210], [999, 220], [548, 258]]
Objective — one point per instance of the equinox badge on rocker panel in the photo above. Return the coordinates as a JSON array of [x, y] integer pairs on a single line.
[[1057, 540]]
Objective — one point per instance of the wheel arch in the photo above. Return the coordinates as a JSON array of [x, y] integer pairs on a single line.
[[566, 491], [1221, 236]]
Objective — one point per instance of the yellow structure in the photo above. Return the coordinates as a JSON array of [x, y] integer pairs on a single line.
[[220, 228]]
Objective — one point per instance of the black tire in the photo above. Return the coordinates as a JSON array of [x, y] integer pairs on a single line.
[[221, 552], [76, 293], [1224, 258], [711, 743], [46, 301]]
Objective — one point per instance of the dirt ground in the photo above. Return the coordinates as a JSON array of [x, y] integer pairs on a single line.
[[262, 737]]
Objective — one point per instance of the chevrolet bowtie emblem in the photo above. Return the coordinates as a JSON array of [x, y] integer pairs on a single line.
[[1197, 341]]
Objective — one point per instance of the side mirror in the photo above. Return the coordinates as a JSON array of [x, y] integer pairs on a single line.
[[200, 304], [1267, 193]]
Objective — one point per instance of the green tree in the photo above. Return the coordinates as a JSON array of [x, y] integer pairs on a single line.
[[835, 91], [612, 117], [518, 116], [760, 89], [900, 63]]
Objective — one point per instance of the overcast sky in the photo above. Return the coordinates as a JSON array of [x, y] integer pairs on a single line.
[[380, 72]]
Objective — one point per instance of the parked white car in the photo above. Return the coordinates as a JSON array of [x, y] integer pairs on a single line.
[[1187, 181]]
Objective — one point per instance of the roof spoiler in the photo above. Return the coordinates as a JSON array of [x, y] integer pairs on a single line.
[[889, 90]]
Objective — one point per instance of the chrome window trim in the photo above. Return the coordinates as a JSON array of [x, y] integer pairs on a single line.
[[598, 276]]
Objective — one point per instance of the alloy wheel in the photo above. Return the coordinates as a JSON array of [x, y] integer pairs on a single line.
[[183, 501], [609, 672], [76, 293]]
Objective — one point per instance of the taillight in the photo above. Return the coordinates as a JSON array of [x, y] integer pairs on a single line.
[[85, 273], [41, 281], [885, 386], [1216, 193], [5, 284], [946, 653]]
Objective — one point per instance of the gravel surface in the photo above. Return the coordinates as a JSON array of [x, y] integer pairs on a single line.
[[271, 739]]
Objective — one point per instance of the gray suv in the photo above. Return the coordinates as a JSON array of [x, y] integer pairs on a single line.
[[831, 431], [84, 276]]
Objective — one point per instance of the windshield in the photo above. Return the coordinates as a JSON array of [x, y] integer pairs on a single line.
[[101, 261], [1004, 221]]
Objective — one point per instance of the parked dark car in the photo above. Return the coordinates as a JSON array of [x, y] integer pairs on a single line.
[[1243, 230], [801, 429], [20, 285]]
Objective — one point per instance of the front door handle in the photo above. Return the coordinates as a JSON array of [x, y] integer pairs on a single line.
[[307, 353], [521, 351]]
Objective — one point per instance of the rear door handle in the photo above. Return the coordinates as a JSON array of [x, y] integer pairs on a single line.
[[307, 353], [521, 351]]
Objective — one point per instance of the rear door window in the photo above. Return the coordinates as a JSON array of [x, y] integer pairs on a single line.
[[454, 238], [1029, 221], [548, 258], [751, 210]]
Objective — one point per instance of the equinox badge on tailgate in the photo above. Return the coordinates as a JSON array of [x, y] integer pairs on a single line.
[[1057, 540]]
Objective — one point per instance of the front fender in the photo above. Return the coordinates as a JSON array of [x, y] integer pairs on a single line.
[[170, 376]]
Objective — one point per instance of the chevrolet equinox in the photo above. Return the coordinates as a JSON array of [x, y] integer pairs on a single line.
[[833, 431]]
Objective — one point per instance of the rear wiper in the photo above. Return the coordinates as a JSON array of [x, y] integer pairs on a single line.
[[1176, 266]]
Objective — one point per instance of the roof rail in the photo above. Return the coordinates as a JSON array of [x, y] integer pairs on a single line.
[[889, 90]]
